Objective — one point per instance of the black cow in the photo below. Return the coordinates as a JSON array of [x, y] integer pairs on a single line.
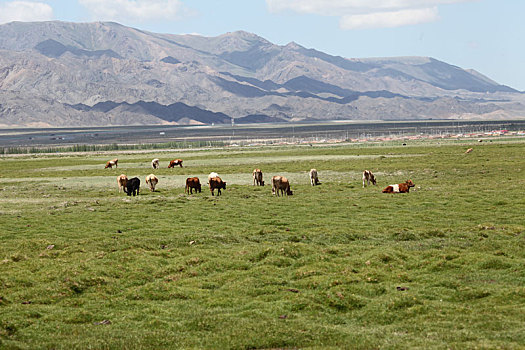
[[132, 186]]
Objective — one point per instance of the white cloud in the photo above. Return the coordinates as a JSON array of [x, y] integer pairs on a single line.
[[140, 10], [25, 11], [366, 13], [389, 19]]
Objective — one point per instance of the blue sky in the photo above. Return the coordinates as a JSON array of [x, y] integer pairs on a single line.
[[485, 35]]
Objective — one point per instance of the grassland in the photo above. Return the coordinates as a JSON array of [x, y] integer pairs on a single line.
[[334, 266]]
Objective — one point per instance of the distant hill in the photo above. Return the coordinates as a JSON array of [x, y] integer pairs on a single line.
[[73, 74]]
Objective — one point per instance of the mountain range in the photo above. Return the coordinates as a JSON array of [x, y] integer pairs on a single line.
[[94, 74]]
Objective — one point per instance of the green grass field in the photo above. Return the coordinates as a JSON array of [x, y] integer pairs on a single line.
[[333, 266]]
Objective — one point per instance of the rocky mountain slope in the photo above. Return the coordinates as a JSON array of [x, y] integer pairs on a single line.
[[72, 74]]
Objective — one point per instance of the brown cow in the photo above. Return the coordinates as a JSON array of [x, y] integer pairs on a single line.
[[111, 163], [217, 183], [121, 182], [399, 188], [152, 181], [258, 177], [280, 183], [175, 162], [368, 177], [192, 183]]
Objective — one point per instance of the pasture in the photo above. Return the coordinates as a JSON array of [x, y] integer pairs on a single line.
[[333, 266]]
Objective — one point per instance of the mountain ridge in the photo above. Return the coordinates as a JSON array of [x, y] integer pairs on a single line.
[[239, 74]]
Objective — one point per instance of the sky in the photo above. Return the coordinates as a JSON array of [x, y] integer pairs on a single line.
[[485, 35]]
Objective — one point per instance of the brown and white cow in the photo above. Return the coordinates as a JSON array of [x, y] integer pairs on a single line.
[[314, 180], [280, 183], [155, 163], [469, 150], [258, 177], [212, 175], [368, 177], [399, 188], [112, 163], [121, 182], [216, 183], [191, 184], [152, 181], [175, 162]]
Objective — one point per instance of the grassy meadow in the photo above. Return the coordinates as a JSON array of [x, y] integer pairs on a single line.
[[333, 266]]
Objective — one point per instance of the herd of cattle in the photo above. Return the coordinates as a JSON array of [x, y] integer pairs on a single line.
[[280, 184]]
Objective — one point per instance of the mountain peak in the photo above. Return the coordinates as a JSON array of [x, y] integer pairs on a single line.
[[293, 46], [244, 36]]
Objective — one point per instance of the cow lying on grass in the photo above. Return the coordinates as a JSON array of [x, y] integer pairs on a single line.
[[191, 184], [112, 163], [121, 182], [280, 183], [216, 183], [258, 177], [132, 186], [399, 188], [152, 181]]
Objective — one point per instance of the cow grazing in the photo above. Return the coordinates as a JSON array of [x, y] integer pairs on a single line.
[[280, 183], [191, 184], [212, 175], [368, 177], [132, 186], [175, 162], [111, 163], [469, 150], [216, 183], [258, 177], [314, 180], [152, 181], [121, 182], [155, 163], [400, 188]]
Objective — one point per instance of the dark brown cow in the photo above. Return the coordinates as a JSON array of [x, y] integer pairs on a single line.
[[192, 183], [132, 186], [368, 177], [258, 177], [111, 163], [175, 162], [217, 183], [399, 188], [280, 183]]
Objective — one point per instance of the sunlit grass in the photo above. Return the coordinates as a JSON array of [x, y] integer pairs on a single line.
[[333, 266]]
